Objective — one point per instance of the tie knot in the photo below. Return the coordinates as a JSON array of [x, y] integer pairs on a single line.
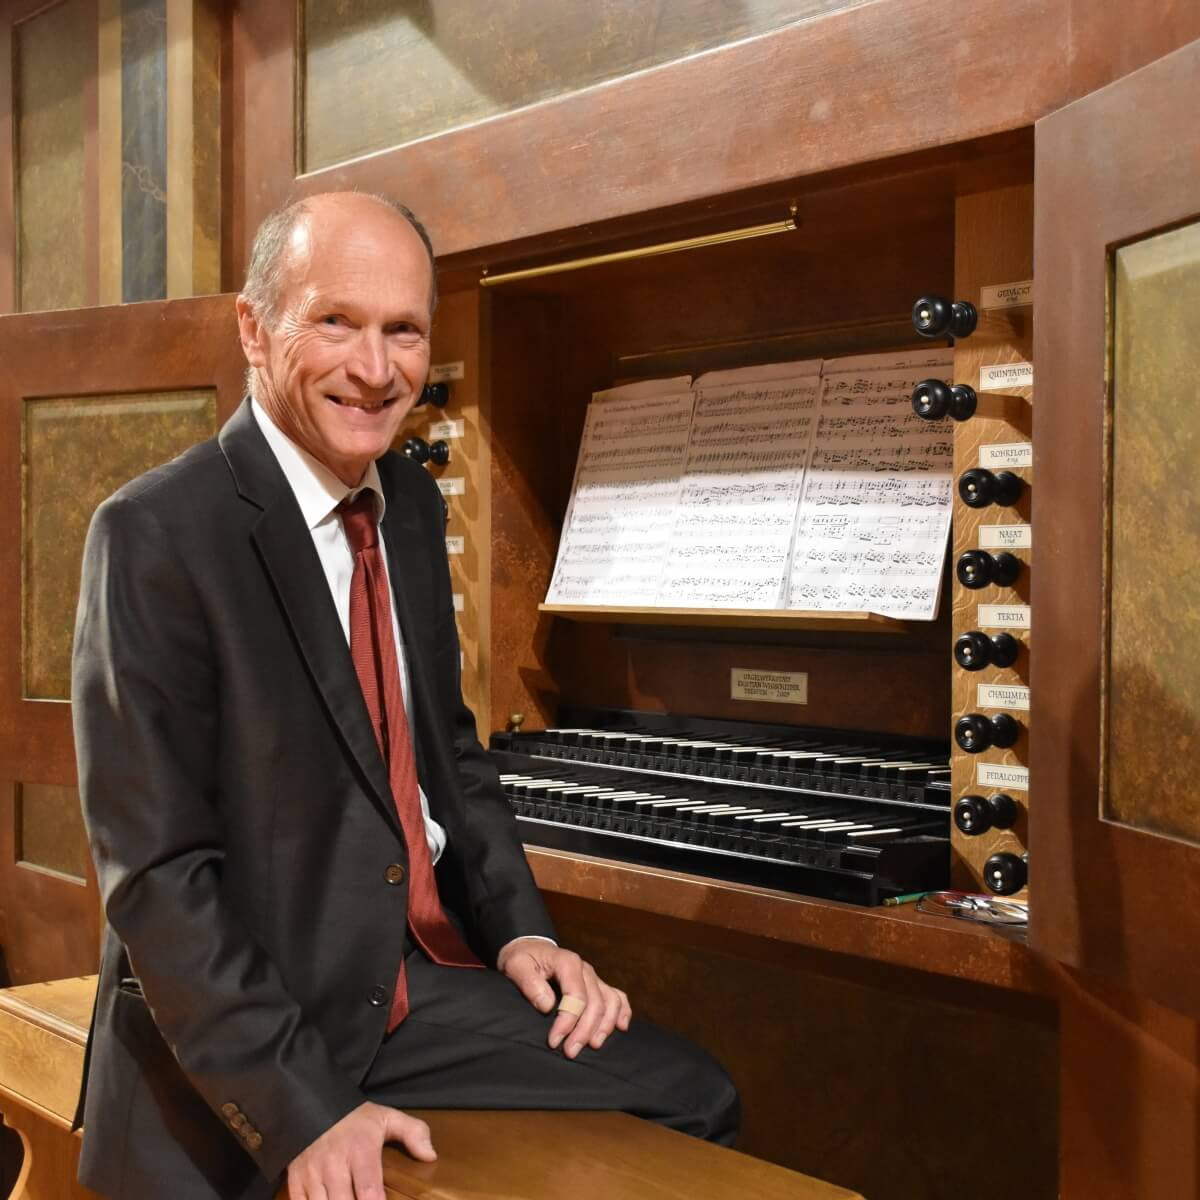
[[358, 520]]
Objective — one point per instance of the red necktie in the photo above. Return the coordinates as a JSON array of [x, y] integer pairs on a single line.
[[373, 649]]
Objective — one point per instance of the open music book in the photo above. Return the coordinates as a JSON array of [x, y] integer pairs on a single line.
[[804, 485]]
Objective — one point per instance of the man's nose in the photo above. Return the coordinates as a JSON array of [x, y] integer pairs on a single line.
[[369, 360]]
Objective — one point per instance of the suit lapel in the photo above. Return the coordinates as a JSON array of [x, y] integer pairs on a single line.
[[290, 558]]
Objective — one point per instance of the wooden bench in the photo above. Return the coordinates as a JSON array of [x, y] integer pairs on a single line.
[[514, 1155]]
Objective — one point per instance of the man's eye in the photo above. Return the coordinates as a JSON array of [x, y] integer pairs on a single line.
[[331, 319]]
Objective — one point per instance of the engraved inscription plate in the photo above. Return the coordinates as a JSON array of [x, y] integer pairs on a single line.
[[1007, 295], [1151, 686], [773, 687], [1012, 697], [1002, 775], [1002, 616], [1006, 377], [1006, 455], [1005, 537]]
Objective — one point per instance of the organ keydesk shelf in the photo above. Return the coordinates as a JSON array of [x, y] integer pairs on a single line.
[[894, 937], [717, 618]]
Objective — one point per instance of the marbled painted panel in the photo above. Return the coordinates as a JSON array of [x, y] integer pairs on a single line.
[[379, 73], [206, 151], [143, 150], [78, 452], [1152, 688], [49, 59], [50, 828]]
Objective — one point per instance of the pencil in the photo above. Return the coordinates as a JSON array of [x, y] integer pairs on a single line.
[[907, 899]]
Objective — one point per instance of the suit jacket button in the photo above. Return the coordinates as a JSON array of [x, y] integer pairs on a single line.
[[394, 873], [379, 995], [254, 1140], [238, 1121], [229, 1108]]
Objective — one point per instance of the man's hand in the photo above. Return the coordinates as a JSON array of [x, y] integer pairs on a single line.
[[531, 963], [346, 1161]]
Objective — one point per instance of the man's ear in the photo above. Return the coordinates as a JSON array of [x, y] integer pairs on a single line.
[[253, 334]]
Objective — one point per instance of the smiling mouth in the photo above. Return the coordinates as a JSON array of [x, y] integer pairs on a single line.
[[376, 407]]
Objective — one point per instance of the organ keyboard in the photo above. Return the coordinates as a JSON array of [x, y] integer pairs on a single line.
[[843, 815]]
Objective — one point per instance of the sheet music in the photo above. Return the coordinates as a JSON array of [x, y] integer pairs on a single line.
[[874, 519], [627, 478], [750, 441]]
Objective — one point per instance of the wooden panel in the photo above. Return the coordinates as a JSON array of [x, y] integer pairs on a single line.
[[378, 73], [809, 98], [993, 245], [827, 1062], [900, 937], [456, 339], [99, 442], [52, 1157], [1109, 41], [1110, 169], [193, 148], [50, 62], [50, 831], [49, 921], [520, 1154], [1130, 1095], [43, 1030], [1154, 616]]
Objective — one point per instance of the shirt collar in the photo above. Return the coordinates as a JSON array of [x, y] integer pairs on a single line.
[[317, 489]]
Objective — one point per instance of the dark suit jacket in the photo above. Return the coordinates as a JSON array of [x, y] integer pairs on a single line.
[[241, 820]]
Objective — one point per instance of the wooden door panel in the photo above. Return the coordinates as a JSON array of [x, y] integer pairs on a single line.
[[1114, 865], [88, 399]]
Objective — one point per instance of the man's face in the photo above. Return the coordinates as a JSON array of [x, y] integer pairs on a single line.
[[349, 351]]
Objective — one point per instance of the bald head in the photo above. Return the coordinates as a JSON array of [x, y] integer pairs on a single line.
[[335, 323], [285, 240]]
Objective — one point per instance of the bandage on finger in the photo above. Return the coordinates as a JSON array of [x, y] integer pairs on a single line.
[[572, 1004]]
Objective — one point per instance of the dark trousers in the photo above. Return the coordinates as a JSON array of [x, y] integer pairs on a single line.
[[471, 1040]]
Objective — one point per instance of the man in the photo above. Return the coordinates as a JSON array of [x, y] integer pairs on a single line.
[[273, 756]]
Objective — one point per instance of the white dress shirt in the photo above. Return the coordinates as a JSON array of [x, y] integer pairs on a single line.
[[319, 491]]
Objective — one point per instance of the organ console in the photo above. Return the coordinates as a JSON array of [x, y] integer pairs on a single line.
[[844, 815], [979, 487]]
